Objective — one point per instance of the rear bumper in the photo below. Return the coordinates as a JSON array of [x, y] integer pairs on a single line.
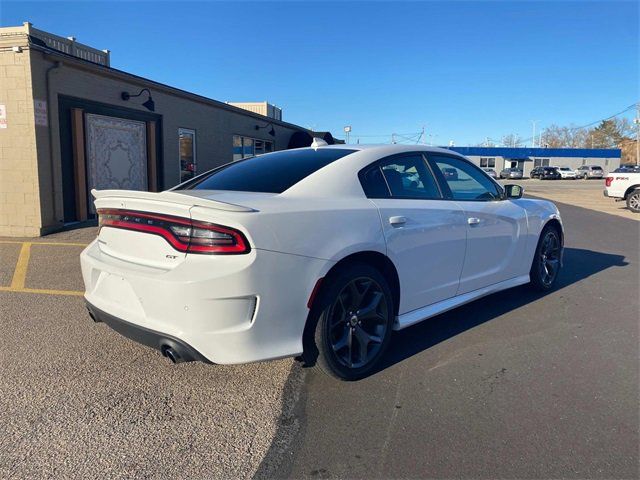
[[151, 338], [221, 309]]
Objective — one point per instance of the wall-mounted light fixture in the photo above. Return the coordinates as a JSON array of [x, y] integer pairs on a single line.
[[149, 104], [271, 131]]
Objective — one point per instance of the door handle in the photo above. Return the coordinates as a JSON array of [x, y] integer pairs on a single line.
[[473, 221], [397, 221]]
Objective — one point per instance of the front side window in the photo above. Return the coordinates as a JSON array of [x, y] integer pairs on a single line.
[[187, 153], [464, 180], [270, 173]]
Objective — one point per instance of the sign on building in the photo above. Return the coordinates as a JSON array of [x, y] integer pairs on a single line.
[[40, 107], [3, 116]]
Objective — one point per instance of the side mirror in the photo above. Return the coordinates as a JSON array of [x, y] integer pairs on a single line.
[[513, 192]]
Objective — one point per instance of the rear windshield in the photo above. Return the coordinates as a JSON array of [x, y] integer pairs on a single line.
[[596, 168], [270, 173]]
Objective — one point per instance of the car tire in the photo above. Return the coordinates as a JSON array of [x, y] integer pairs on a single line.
[[547, 260], [633, 201], [341, 341]]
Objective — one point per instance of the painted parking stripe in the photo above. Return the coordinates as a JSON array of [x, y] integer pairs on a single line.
[[72, 244], [43, 291], [22, 265], [20, 272]]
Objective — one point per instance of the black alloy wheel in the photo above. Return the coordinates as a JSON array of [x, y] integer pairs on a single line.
[[547, 261], [350, 323]]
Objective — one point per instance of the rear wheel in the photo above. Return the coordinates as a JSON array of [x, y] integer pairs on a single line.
[[633, 201], [546, 262], [350, 324]]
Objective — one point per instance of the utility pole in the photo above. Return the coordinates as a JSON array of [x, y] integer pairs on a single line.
[[393, 138], [533, 137]]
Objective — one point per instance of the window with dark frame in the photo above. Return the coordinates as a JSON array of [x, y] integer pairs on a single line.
[[488, 162], [187, 153], [244, 147]]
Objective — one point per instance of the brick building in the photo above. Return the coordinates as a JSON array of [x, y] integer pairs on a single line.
[[69, 122]]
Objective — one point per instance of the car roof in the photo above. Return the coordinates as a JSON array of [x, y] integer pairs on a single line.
[[339, 178], [383, 147]]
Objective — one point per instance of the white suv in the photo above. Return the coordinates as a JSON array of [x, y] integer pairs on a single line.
[[624, 186], [567, 172], [590, 171]]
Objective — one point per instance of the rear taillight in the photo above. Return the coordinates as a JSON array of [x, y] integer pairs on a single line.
[[183, 234], [607, 181]]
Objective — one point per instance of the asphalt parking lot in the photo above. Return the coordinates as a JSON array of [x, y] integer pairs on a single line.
[[80, 401], [516, 385], [580, 193]]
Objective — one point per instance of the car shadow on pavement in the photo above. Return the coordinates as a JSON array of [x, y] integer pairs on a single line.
[[578, 265]]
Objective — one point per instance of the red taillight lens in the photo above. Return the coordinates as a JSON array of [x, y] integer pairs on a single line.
[[183, 234], [608, 181]]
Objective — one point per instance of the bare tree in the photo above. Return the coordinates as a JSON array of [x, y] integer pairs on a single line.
[[512, 140], [556, 136]]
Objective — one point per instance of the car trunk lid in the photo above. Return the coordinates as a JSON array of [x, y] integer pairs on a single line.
[[157, 229]]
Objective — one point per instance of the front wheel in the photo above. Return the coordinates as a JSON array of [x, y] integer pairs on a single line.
[[351, 323], [633, 201], [546, 262]]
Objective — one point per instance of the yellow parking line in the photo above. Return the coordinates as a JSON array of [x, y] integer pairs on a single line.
[[42, 291], [71, 244], [20, 273], [22, 265]]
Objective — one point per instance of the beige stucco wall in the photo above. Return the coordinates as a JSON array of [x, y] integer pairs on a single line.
[[19, 184]]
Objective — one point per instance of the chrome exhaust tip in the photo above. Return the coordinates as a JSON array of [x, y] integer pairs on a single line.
[[172, 355]]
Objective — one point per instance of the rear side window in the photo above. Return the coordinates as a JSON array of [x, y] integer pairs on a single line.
[[268, 173], [405, 176]]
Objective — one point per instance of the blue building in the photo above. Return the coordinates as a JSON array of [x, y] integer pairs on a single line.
[[528, 158]]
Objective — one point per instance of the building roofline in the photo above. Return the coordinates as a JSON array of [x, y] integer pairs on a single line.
[[148, 83], [522, 152]]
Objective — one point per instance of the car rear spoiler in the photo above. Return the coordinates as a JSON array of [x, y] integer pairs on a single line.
[[171, 197]]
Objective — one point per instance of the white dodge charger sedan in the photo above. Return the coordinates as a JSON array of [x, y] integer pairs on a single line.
[[317, 252]]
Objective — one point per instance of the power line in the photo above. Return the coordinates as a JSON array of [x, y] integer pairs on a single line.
[[572, 129]]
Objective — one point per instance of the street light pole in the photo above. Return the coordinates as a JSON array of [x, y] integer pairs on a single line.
[[347, 131], [637, 122]]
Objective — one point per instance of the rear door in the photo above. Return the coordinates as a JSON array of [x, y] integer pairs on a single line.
[[425, 233], [496, 228]]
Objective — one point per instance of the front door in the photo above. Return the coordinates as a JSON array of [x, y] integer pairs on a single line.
[[425, 234], [496, 228], [116, 153]]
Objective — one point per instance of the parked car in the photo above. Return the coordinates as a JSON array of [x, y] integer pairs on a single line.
[[450, 173], [316, 252], [535, 172], [624, 186], [628, 168], [590, 171], [548, 173], [491, 172], [567, 173], [511, 173]]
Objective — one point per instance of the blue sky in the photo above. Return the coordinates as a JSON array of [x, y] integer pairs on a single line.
[[464, 70]]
